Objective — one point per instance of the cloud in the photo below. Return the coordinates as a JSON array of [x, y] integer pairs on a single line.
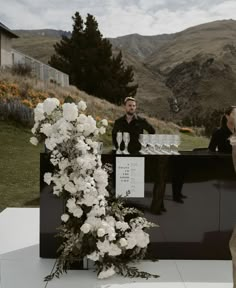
[[116, 17]]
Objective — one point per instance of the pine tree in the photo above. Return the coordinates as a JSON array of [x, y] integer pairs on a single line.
[[123, 76], [87, 58]]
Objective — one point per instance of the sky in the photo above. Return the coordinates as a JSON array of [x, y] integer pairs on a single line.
[[116, 17]]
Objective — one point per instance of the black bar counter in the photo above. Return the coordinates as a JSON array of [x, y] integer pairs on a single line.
[[198, 228]]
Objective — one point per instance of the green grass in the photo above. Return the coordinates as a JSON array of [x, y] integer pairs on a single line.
[[19, 167], [19, 164], [189, 142]]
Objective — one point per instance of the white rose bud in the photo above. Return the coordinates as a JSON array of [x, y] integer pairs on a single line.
[[65, 217], [82, 105], [101, 232], [85, 228], [104, 122], [47, 178], [34, 141], [123, 242], [102, 130]]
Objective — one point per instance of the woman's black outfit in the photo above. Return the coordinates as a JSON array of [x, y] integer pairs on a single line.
[[220, 140]]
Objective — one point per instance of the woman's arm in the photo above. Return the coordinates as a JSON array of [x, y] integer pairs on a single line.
[[233, 143]]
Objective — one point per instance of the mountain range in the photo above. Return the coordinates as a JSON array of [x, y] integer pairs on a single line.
[[182, 76]]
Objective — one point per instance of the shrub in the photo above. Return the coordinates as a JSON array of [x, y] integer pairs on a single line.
[[186, 130], [21, 69], [14, 110]]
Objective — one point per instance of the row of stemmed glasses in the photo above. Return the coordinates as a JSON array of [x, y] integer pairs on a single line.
[[159, 144], [122, 136]]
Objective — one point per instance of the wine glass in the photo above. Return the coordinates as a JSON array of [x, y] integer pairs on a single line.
[[151, 144], [165, 145], [126, 138], [143, 141], [176, 143], [158, 144], [119, 140]]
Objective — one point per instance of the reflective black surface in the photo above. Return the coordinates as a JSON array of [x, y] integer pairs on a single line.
[[198, 227]]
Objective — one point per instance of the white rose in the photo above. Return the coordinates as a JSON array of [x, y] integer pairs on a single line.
[[82, 119], [114, 250], [50, 143], [122, 225], [77, 212], [71, 204], [34, 141], [33, 130], [123, 242], [39, 113], [47, 178], [46, 129], [82, 105], [50, 104], [70, 111], [101, 232], [64, 164], [104, 122], [102, 130], [85, 228], [70, 187], [106, 273], [65, 217], [142, 238], [80, 128], [93, 256], [131, 240]]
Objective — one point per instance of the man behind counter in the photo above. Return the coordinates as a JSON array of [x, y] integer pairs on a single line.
[[133, 124]]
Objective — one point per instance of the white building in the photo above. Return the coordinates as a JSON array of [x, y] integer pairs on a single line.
[[9, 57], [6, 45]]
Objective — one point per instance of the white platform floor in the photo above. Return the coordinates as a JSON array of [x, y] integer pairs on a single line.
[[21, 267]]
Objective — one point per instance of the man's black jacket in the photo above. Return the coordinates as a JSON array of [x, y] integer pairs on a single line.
[[135, 127]]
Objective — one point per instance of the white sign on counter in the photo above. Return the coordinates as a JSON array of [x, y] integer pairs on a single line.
[[130, 176]]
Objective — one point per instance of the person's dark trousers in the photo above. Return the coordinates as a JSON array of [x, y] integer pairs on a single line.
[[157, 205], [178, 172], [177, 185]]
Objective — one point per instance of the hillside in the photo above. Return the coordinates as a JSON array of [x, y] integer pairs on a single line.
[[140, 46], [199, 67], [181, 76], [205, 39], [30, 91], [37, 43], [19, 165]]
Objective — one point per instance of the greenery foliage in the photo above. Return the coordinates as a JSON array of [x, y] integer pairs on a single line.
[[21, 69], [87, 57]]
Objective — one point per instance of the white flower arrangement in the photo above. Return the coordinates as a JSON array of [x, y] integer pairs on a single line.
[[95, 224]]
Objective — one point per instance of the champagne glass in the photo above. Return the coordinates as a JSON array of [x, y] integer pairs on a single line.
[[143, 142], [165, 144], [119, 140], [126, 138], [158, 144], [152, 140], [168, 143], [176, 143]]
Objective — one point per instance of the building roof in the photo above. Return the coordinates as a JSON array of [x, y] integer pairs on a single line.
[[8, 31]]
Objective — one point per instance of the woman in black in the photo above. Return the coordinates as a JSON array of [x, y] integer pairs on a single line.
[[220, 138]]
